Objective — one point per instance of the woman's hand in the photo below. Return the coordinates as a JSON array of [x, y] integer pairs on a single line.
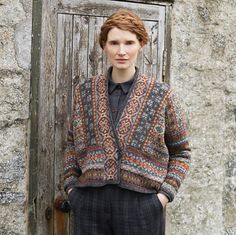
[[69, 191], [163, 199]]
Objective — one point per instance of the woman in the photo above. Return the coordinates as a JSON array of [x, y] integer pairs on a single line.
[[127, 151]]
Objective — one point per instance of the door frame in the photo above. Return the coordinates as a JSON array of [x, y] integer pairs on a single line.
[[43, 69]]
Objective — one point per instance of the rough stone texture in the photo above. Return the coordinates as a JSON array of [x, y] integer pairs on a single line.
[[23, 43], [203, 74], [11, 12], [14, 98], [15, 38], [7, 50]]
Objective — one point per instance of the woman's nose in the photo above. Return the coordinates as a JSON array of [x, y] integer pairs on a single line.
[[121, 50]]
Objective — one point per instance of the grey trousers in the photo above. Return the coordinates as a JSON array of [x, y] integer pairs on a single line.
[[111, 210]]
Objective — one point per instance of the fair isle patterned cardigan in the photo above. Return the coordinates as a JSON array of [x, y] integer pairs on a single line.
[[146, 151]]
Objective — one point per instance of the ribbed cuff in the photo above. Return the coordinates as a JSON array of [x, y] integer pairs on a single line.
[[168, 190], [70, 183], [166, 194]]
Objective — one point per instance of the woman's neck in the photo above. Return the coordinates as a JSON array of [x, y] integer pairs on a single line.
[[122, 75]]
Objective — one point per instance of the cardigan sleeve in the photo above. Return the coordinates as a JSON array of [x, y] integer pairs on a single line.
[[71, 169], [178, 147]]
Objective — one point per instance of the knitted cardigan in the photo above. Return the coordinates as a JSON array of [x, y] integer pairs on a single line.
[[146, 151]]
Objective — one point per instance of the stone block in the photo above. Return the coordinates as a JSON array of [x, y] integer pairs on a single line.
[[192, 212], [12, 179], [11, 12], [203, 75], [23, 43], [12, 173], [7, 49], [12, 219], [27, 6], [12, 144], [14, 100]]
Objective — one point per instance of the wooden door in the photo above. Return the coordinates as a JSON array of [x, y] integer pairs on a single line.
[[70, 52]]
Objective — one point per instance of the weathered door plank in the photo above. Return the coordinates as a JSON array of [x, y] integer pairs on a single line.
[[80, 47], [62, 114], [95, 57], [106, 8], [161, 42], [46, 117], [150, 51]]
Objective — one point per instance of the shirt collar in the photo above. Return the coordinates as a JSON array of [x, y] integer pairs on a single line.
[[125, 86]]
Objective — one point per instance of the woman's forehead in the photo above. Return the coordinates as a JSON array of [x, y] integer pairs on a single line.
[[117, 34]]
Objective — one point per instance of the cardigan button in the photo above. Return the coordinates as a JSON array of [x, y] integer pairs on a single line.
[[119, 153]]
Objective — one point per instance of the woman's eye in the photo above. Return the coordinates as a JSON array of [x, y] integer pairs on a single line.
[[113, 43], [130, 43]]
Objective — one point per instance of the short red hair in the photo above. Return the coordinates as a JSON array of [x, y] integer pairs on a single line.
[[124, 20]]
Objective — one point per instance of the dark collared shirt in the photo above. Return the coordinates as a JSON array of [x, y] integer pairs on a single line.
[[118, 94]]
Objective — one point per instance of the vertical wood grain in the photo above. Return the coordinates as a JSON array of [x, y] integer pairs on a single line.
[[63, 110], [95, 53], [150, 55], [80, 47], [168, 43], [161, 42], [32, 171], [46, 117]]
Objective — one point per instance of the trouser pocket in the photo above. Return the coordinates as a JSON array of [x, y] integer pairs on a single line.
[[75, 198]]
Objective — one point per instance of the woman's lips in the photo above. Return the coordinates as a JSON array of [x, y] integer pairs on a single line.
[[121, 60]]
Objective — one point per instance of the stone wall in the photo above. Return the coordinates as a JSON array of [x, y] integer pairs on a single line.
[[203, 73], [15, 40]]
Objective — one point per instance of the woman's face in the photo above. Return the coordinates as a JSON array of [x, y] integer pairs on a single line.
[[122, 49]]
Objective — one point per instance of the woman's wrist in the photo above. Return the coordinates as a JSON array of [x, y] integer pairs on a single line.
[[163, 199]]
